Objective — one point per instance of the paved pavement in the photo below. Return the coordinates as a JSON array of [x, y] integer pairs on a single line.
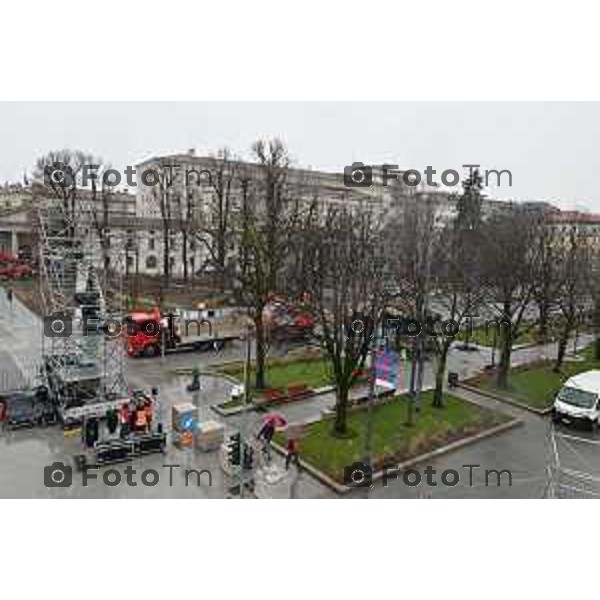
[[20, 343], [525, 451]]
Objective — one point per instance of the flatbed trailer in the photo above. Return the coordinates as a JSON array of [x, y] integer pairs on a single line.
[[151, 334], [201, 344]]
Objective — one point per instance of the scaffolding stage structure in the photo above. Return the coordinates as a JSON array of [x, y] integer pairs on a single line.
[[83, 361]]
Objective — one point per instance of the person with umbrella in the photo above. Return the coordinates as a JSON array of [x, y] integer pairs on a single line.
[[271, 421]]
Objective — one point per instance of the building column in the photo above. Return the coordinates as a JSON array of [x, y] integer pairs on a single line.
[[14, 243]]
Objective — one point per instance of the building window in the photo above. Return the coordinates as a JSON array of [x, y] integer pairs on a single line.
[[151, 262], [151, 244], [130, 262]]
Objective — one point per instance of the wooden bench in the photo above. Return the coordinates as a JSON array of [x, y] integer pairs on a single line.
[[295, 390], [270, 396], [279, 396]]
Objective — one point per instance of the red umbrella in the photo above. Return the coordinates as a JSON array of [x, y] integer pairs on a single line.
[[278, 420]]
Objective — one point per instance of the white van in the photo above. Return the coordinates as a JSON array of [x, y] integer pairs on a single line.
[[579, 400]]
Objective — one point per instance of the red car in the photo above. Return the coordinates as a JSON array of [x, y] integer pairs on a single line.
[[11, 268]]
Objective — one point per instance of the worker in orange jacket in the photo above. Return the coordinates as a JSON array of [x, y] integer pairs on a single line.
[[148, 410], [140, 419], [124, 419]]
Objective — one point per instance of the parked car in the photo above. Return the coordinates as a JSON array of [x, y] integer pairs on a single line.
[[20, 408], [578, 401]]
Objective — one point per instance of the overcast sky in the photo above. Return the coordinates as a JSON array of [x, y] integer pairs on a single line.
[[548, 147]]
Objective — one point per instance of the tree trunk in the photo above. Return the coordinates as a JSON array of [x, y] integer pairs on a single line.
[[166, 263], [438, 394], [505, 354], [260, 349], [543, 321], [221, 263], [184, 256], [136, 284], [562, 346], [414, 363], [468, 338], [341, 411], [597, 330]]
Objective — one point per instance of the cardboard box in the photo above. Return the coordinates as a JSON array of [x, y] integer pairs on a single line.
[[209, 435], [184, 417]]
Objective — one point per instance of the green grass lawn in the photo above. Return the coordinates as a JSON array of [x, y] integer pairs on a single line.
[[392, 440], [537, 385], [313, 372], [528, 333]]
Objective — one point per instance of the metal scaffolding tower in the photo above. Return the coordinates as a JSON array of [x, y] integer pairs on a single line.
[[83, 302]]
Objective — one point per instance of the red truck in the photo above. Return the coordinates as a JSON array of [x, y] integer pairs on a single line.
[[147, 331], [190, 331]]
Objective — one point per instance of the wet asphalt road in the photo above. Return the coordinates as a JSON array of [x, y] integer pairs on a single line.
[[525, 450]]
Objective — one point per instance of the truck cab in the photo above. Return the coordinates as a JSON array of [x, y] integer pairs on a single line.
[[578, 401], [143, 333], [148, 332]]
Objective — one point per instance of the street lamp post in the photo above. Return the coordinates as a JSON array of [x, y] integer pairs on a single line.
[[371, 400], [244, 420]]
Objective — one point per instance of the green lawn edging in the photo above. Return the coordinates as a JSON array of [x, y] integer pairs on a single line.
[[506, 399], [533, 386]]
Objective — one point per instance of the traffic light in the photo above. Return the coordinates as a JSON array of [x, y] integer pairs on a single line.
[[234, 449], [248, 461]]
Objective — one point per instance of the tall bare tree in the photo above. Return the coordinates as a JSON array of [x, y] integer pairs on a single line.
[[165, 203], [216, 233], [61, 173], [459, 293], [572, 292], [509, 275], [261, 231], [546, 273], [467, 240], [342, 268], [594, 296], [412, 238]]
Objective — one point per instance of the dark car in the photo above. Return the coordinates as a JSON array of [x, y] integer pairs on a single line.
[[27, 407]]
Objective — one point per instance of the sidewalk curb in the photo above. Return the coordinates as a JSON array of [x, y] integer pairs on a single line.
[[542, 412], [206, 373], [342, 489], [227, 412]]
